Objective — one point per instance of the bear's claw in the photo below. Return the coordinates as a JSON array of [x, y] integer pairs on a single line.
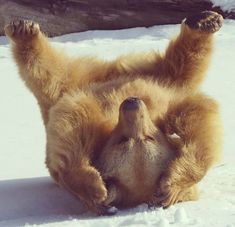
[[22, 28], [206, 21], [105, 210]]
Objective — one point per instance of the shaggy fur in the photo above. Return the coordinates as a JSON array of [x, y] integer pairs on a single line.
[[80, 98]]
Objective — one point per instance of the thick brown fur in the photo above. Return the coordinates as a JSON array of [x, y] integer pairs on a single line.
[[80, 98]]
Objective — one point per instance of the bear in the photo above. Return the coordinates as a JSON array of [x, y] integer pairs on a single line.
[[82, 104], [135, 156]]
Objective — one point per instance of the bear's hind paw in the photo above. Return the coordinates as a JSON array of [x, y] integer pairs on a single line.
[[21, 29], [206, 21]]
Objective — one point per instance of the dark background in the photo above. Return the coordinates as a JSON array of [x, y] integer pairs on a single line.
[[58, 17]]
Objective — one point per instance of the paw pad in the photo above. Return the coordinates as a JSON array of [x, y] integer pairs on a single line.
[[207, 21], [22, 28]]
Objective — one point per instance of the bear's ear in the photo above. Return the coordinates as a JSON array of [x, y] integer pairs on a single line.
[[123, 139]]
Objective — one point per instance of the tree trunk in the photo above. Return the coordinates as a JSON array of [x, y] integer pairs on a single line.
[[58, 17]]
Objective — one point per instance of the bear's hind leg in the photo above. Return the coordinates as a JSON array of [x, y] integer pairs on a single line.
[[40, 66], [184, 64], [187, 57]]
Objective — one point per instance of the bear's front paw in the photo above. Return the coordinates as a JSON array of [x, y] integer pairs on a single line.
[[206, 21], [99, 201], [106, 210], [167, 194], [95, 193], [22, 29]]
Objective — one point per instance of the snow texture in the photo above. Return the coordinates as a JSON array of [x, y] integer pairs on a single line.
[[28, 196], [225, 5]]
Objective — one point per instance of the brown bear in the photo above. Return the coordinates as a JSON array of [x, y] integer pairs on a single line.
[[80, 99], [135, 156]]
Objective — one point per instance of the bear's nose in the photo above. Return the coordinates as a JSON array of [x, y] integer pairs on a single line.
[[131, 103]]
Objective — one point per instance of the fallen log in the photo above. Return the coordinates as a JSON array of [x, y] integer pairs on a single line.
[[58, 17]]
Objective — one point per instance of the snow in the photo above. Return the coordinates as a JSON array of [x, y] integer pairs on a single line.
[[28, 196], [225, 5], [180, 216]]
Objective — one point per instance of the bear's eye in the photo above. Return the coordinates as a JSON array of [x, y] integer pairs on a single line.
[[123, 139], [150, 138]]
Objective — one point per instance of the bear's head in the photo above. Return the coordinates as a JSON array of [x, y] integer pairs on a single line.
[[135, 127], [134, 156]]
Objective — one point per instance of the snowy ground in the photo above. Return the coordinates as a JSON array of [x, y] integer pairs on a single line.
[[28, 197], [225, 5]]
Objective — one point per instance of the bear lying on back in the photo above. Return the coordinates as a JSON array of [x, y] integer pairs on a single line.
[[134, 157], [80, 99]]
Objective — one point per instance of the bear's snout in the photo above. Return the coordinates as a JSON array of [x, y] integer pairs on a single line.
[[131, 103]]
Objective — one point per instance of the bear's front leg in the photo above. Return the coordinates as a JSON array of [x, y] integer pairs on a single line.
[[168, 193], [85, 182], [197, 122], [76, 133]]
